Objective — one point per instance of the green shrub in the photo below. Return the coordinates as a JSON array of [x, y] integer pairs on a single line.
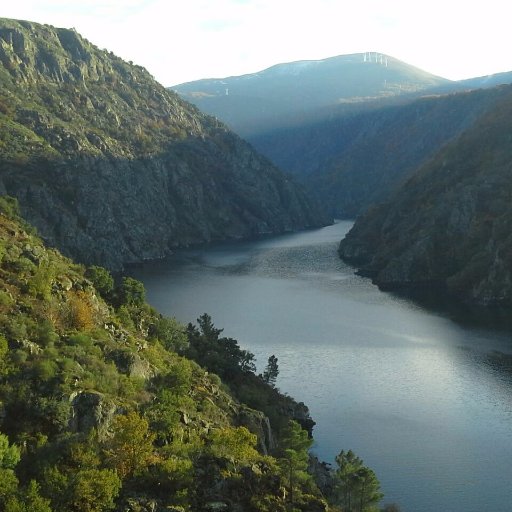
[[40, 284], [80, 339], [171, 334], [9, 207], [5, 299], [45, 370], [131, 292], [46, 335], [102, 280], [125, 318]]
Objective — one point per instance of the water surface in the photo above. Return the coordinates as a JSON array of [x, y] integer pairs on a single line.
[[425, 401]]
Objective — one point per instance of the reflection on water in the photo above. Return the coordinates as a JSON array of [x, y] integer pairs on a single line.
[[425, 400]]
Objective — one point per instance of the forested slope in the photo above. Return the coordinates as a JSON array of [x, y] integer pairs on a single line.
[[356, 159], [103, 407], [450, 224]]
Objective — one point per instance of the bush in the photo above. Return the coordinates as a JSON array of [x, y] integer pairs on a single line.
[[171, 334], [40, 284], [45, 370], [46, 335], [131, 292], [79, 312], [102, 281], [80, 339], [9, 207]]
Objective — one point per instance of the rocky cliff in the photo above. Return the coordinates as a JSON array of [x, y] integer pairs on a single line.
[[112, 168], [450, 224]]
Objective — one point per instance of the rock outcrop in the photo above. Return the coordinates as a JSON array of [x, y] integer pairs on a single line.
[[258, 424], [91, 410], [113, 169]]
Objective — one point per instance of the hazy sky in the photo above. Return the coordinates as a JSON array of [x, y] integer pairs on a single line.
[[184, 40]]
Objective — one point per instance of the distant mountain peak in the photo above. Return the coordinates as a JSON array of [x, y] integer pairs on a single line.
[[276, 95]]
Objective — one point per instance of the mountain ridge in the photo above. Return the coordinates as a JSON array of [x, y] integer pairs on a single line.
[[272, 97], [112, 168], [383, 147]]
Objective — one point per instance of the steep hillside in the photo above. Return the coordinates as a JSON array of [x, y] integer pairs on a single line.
[[113, 168], [361, 159], [102, 407], [450, 224], [288, 93]]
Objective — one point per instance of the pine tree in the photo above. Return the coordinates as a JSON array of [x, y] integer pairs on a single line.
[[271, 371], [358, 489]]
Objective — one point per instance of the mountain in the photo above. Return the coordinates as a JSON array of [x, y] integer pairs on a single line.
[[351, 128], [287, 94], [112, 168], [481, 82], [450, 224], [361, 159]]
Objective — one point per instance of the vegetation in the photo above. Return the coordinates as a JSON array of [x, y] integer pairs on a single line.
[[104, 408], [356, 486], [271, 371]]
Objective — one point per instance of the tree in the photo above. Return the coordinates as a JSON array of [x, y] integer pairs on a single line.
[[9, 458], [171, 397], [131, 292], [94, 490], [358, 489], [222, 356], [9, 454], [4, 350], [208, 330], [9, 206], [295, 443], [170, 333], [131, 448], [28, 501], [8, 486], [236, 444], [271, 371]]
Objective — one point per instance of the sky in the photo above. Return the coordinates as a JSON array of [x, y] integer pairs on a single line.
[[183, 40]]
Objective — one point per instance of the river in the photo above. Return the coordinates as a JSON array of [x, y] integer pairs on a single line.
[[424, 400]]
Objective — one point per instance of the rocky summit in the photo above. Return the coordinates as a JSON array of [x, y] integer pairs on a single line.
[[112, 168]]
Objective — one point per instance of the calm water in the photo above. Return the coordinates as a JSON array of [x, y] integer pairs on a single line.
[[424, 400]]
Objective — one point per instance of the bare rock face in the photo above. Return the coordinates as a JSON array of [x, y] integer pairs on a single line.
[[113, 169], [91, 410], [258, 424]]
